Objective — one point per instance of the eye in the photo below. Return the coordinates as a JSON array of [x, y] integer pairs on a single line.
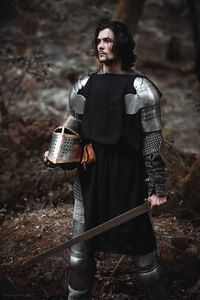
[[108, 40]]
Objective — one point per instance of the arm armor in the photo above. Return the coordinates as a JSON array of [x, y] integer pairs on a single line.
[[147, 100], [155, 165], [76, 100], [65, 149]]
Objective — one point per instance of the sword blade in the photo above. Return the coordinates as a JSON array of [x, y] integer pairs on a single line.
[[114, 222]]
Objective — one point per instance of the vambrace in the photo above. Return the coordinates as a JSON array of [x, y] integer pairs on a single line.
[[155, 158]]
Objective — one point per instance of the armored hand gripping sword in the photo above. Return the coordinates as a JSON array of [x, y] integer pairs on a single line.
[[125, 217]]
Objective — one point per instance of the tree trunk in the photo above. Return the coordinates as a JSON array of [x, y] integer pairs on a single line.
[[129, 12], [194, 8]]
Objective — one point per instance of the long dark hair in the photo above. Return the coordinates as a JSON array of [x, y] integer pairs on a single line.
[[123, 46]]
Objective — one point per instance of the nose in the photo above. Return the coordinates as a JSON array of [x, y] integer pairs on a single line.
[[100, 45]]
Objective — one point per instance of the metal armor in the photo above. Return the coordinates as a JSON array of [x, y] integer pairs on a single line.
[[152, 275], [147, 100], [81, 261], [65, 148], [65, 144], [77, 101]]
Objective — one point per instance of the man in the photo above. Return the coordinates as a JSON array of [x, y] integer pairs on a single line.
[[119, 111]]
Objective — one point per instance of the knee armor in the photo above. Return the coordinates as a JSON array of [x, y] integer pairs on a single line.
[[149, 269], [77, 260], [78, 257], [152, 276], [81, 263]]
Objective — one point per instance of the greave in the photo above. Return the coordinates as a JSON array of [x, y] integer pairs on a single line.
[[152, 276], [74, 294], [81, 268]]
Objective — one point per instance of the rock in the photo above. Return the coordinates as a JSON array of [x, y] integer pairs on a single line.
[[53, 100]]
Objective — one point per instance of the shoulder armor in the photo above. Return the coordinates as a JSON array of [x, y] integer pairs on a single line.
[[146, 95], [76, 101], [147, 100]]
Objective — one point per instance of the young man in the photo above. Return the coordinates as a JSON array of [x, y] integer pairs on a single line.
[[119, 111]]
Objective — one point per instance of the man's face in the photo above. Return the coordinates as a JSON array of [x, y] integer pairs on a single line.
[[105, 42]]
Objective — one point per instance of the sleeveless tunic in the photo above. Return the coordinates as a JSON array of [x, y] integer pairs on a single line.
[[115, 183]]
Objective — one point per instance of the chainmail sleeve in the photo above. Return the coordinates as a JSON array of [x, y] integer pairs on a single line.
[[155, 166], [154, 151]]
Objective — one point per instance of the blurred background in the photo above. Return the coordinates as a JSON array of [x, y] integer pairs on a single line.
[[45, 46]]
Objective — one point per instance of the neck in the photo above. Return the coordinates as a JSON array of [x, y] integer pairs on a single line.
[[115, 68]]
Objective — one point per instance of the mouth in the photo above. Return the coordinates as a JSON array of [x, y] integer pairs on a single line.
[[101, 53]]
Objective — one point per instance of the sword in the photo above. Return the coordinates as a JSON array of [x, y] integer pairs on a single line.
[[114, 222]]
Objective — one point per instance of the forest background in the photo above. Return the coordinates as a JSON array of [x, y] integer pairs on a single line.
[[45, 46]]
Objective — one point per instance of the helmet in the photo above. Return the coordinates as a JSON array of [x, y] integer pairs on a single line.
[[65, 148]]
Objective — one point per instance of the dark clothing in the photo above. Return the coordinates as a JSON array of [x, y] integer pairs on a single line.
[[115, 183], [104, 119]]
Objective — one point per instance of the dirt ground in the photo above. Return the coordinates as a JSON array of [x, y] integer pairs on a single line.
[[31, 232], [36, 214], [41, 217], [43, 51]]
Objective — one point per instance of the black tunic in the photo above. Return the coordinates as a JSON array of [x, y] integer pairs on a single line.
[[115, 183]]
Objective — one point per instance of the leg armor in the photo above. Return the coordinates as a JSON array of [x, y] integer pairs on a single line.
[[151, 275], [81, 261]]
